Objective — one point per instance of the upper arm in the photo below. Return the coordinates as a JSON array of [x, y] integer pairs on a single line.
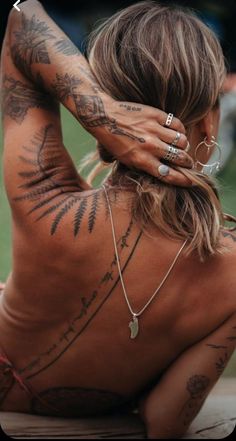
[[171, 406], [37, 167]]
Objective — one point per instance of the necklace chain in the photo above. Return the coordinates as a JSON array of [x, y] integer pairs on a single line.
[[137, 314]]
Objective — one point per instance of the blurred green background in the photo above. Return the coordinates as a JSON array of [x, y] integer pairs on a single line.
[[79, 142]]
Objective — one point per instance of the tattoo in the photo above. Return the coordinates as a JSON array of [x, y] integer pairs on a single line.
[[76, 402], [89, 108], [66, 47], [131, 108], [30, 44], [77, 325], [18, 98], [231, 338], [6, 378], [221, 363], [56, 193], [197, 386], [230, 235]]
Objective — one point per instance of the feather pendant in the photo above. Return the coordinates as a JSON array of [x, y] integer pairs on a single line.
[[134, 327]]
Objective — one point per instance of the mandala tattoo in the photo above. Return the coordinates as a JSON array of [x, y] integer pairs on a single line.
[[76, 402], [30, 43], [52, 189], [18, 98], [89, 108]]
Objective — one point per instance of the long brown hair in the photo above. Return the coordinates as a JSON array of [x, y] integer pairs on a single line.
[[165, 57]]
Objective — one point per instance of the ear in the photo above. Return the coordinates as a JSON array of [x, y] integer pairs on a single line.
[[209, 124]]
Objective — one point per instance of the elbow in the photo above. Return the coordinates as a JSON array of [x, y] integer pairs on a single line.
[[28, 7]]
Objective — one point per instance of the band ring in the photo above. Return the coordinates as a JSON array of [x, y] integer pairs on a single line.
[[171, 154], [177, 138], [169, 119], [164, 170]]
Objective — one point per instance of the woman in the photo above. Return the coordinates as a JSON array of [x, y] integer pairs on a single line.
[[123, 295]]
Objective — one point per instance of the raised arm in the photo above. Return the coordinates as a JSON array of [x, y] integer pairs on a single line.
[[134, 134]]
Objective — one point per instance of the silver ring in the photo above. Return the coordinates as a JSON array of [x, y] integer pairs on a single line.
[[164, 170], [177, 138], [169, 119], [171, 154]]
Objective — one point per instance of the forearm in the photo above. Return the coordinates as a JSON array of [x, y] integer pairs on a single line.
[[45, 55]]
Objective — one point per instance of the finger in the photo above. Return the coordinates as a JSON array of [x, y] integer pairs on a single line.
[[175, 124], [173, 137], [181, 158], [151, 165]]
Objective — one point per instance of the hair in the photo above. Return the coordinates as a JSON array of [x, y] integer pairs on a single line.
[[165, 57]]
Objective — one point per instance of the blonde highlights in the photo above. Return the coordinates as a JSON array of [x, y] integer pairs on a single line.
[[164, 57]]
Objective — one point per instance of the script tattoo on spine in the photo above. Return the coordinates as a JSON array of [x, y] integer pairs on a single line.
[[52, 191], [89, 108], [30, 44], [197, 386], [87, 311], [18, 98]]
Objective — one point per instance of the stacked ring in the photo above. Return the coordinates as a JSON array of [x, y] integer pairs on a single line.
[[171, 154], [177, 138], [169, 119]]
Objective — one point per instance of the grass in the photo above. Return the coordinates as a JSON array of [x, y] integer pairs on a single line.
[[79, 142]]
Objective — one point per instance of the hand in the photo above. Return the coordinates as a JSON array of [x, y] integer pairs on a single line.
[[136, 136]]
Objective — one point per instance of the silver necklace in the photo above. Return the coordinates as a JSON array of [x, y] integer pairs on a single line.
[[134, 323]]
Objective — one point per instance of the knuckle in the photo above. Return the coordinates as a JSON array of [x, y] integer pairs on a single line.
[[137, 160]]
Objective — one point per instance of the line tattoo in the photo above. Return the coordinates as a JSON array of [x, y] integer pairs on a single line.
[[196, 386], [77, 325], [30, 43], [18, 98], [89, 108]]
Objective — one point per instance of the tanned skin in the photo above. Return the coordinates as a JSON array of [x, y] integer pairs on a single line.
[[63, 317]]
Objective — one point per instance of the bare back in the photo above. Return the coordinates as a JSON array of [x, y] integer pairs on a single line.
[[64, 319]]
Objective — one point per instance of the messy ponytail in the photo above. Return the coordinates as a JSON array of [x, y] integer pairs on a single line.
[[164, 57]]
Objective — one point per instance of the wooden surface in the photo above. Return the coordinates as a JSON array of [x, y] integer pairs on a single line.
[[216, 420]]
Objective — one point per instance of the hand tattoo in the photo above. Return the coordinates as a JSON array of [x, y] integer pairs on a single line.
[[89, 108]]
